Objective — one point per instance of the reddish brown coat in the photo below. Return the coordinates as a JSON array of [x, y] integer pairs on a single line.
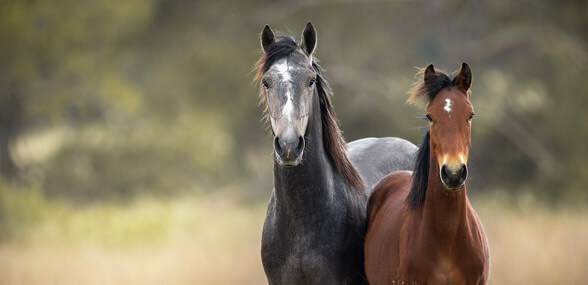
[[437, 237], [442, 242]]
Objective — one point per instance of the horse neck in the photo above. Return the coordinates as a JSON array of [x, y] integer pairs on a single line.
[[308, 187], [443, 213]]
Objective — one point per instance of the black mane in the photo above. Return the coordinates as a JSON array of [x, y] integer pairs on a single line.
[[284, 46], [420, 175], [432, 87]]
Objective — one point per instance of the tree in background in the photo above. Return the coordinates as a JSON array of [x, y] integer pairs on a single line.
[[113, 99]]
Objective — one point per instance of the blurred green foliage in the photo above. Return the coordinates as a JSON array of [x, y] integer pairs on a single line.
[[27, 217], [107, 100]]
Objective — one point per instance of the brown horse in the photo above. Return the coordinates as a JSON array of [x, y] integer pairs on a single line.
[[421, 226]]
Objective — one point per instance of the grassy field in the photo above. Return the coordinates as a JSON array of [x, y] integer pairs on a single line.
[[531, 244], [214, 240]]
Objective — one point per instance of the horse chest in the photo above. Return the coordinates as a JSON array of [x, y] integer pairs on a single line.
[[446, 272], [433, 265], [301, 254], [466, 269], [299, 260]]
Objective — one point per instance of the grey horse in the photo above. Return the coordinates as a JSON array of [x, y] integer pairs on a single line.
[[315, 224]]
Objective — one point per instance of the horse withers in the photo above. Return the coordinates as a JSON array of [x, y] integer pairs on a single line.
[[315, 224], [421, 226]]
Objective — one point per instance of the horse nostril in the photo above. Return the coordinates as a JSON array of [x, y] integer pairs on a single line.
[[444, 173], [300, 145], [277, 146], [463, 173]]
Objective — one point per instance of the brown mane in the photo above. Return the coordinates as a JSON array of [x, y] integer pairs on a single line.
[[333, 140]]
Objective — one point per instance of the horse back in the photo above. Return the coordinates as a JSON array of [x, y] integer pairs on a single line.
[[375, 158]]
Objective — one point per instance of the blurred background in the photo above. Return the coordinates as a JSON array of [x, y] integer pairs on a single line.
[[132, 152]]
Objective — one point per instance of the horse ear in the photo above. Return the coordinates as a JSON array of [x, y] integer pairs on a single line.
[[309, 39], [464, 79], [267, 38], [429, 74]]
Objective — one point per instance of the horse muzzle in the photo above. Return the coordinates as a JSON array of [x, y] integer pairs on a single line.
[[288, 148], [453, 176]]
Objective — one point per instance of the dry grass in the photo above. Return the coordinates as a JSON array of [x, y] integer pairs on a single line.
[[212, 240], [186, 241], [531, 244]]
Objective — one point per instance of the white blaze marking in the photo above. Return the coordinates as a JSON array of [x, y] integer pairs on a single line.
[[283, 70], [447, 107], [289, 106]]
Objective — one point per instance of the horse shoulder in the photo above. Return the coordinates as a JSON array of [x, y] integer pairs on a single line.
[[386, 213], [478, 259], [270, 259]]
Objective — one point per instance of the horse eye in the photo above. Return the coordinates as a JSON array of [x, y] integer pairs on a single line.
[[265, 84], [428, 117], [312, 81], [471, 116]]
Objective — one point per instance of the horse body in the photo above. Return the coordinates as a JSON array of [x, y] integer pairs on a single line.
[[374, 158], [438, 243], [421, 226], [314, 228], [315, 224]]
